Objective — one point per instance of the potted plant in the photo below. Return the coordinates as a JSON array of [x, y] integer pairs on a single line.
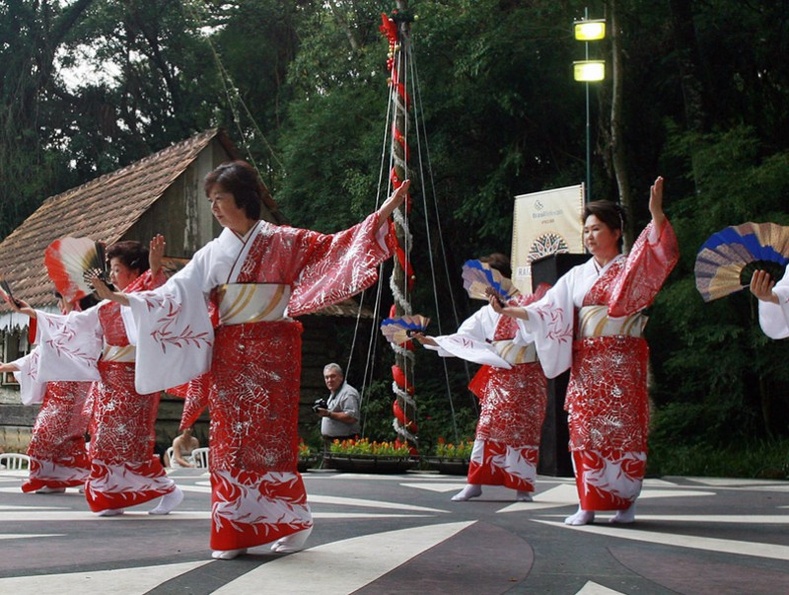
[[452, 459], [365, 456], [307, 457]]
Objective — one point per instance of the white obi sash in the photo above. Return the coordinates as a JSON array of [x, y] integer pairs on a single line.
[[241, 303], [594, 321], [114, 353], [514, 354]]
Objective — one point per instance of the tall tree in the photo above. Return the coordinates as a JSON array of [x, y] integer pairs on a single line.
[[31, 33]]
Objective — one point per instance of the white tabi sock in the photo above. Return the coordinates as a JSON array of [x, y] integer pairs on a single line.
[[470, 491], [623, 517], [582, 517], [228, 554], [168, 502], [291, 543]]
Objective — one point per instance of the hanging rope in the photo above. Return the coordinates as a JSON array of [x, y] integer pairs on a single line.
[[234, 98]]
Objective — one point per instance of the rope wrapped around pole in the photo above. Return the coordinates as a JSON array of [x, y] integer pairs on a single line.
[[396, 28]]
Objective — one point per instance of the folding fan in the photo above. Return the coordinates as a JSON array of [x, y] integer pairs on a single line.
[[69, 260], [398, 330], [727, 260], [478, 275]]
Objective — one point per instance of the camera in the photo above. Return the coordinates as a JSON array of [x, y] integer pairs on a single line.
[[319, 404]]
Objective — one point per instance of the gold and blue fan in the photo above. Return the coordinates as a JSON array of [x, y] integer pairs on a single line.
[[478, 275], [727, 260], [398, 330]]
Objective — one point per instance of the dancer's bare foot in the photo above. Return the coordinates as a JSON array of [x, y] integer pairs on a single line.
[[582, 517], [470, 491], [522, 496], [291, 543], [111, 512]]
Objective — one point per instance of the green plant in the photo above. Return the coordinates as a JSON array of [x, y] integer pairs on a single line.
[[365, 447], [305, 449], [461, 450]]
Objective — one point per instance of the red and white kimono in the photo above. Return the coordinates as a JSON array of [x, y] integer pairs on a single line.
[[93, 345], [254, 359], [58, 458], [591, 322], [512, 395]]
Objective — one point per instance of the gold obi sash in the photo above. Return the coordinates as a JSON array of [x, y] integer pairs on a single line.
[[114, 353], [515, 354], [594, 321], [240, 303]]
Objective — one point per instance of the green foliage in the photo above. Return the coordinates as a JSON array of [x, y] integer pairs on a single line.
[[761, 459], [717, 377]]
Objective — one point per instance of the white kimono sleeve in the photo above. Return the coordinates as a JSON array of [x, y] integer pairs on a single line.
[[550, 325], [471, 341], [31, 391], [175, 337], [69, 346]]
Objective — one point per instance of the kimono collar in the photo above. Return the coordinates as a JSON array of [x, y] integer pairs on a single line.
[[230, 239], [600, 270]]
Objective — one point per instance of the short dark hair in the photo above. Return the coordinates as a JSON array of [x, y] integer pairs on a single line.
[[500, 262], [131, 253], [612, 214], [241, 180]]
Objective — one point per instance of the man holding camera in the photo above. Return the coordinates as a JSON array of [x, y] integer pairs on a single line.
[[340, 413]]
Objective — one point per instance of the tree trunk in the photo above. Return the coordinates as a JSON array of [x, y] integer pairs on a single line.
[[616, 139]]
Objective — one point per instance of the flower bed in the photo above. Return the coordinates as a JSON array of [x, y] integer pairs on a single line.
[[451, 459], [363, 456]]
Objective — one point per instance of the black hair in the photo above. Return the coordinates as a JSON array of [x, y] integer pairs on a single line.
[[500, 262], [131, 253], [612, 214], [241, 180]]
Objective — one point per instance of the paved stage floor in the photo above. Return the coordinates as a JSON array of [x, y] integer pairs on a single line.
[[391, 534]]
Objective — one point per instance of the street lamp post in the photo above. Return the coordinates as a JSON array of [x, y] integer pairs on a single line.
[[587, 71]]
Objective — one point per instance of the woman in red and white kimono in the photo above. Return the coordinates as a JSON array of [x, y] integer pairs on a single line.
[[252, 272], [512, 390], [592, 322], [58, 457], [93, 345]]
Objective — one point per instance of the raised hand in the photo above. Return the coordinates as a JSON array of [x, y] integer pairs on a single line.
[[656, 203], [156, 253], [395, 200], [762, 287]]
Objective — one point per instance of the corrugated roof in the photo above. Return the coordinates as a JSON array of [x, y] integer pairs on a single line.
[[108, 205]]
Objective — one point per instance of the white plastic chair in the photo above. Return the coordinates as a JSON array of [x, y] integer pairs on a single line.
[[14, 460], [200, 457], [168, 457]]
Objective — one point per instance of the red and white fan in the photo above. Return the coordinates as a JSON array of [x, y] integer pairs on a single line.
[[68, 260]]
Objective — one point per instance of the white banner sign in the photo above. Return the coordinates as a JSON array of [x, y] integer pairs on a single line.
[[545, 223]]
